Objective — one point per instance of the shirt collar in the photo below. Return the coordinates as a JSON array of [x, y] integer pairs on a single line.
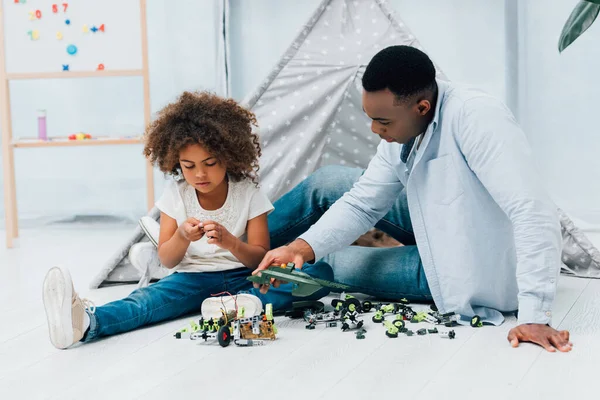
[[442, 87]]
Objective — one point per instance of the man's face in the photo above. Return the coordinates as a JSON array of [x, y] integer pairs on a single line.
[[394, 121]]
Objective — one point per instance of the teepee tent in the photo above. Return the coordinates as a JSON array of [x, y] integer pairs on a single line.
[[310, 114]]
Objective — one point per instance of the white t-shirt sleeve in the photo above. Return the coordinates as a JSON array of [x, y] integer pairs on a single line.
[[167, 203], [259, 203]]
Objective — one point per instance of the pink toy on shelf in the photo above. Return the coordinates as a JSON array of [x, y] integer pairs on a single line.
[[42, 133]]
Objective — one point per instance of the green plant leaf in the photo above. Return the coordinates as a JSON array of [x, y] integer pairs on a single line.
[[583, 16]]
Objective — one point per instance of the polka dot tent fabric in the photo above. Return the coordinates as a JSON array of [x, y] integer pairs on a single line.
[[309, 108], [310, 114]]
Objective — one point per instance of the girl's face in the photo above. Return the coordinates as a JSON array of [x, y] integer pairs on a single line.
[[201, 169]]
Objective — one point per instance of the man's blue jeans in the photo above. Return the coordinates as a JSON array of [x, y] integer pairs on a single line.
[[386, 273]]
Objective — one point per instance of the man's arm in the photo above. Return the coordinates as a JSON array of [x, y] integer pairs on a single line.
[[354, 213], [497, 151]]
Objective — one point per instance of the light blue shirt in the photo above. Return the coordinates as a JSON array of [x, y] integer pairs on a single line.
[[486, 230]]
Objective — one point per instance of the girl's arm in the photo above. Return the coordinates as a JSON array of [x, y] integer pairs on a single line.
[[250, 254], [174, 241]]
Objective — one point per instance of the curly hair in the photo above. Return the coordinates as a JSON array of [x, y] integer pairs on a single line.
[[221, 126]]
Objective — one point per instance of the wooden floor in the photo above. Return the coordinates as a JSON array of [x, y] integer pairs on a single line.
[[321, 364]]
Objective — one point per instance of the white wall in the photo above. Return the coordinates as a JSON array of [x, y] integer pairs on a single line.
[[559, 105]]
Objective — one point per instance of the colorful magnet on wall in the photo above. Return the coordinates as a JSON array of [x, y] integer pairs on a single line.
[[85, 29], [59, 35], [34, 35], [68, 22], [94, 29], [72, 49], [101, 29], [65, 67], [100, 67]]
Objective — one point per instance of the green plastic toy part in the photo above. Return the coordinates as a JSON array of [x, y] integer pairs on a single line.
[[378, 317], [391, 331], [304, 284]]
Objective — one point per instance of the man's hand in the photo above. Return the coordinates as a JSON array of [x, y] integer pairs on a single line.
[[547, 337], [296, 252], [191, 230]]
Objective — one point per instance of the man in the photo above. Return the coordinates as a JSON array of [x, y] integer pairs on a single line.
[[454, 175]]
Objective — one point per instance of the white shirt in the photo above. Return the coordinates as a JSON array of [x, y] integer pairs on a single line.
[[244, 202], [487, 232]]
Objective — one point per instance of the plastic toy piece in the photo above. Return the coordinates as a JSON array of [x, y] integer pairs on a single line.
[[94, 29], [367, 306], [350, 319], [305, 285], [65, 6], [476, 322], [314, 318], [55, 8], [378, 317], [72, 49], [68, 21], [449, 334], [85, 29], [398, 322], [300, 307], [101, 29], [408, 332], [59, 35], [339, 304], [434, 330], [100, 67], [65, 67], [422, 331], [391, 331]]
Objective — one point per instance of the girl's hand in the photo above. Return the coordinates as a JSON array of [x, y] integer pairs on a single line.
[[191, 230], [217, 234]]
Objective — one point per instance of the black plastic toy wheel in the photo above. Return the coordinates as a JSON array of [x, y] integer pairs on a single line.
[[360, 324], [224, 336], [399, 323], [367, 306], [391, 335], [356, 302], [377, 320], [476, 321]]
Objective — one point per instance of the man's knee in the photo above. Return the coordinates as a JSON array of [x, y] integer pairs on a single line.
[[332, 181]]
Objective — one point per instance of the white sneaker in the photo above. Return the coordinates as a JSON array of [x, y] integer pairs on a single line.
[[212, 306], [151, 228], [144, 257], [65, 311]]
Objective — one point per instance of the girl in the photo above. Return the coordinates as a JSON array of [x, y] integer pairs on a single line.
[[213, 228]]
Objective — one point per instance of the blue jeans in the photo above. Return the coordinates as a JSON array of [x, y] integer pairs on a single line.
[[180, 294], [386, 273]]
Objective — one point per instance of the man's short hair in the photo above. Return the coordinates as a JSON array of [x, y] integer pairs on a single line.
[[404, 70]]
